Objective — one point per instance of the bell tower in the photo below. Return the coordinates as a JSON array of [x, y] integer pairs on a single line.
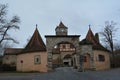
[[61, 29]]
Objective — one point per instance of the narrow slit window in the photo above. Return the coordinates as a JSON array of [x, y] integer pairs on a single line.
[[37, 59], [85, 58]]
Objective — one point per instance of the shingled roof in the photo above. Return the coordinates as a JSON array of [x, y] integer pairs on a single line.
[[12, 51], [85, 42], [61, 25], [35, 44], [91, 39]]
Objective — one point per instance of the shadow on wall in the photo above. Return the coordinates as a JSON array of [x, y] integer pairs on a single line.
[[6, 67], [116, 62]]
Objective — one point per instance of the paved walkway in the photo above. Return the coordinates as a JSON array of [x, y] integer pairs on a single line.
[[65, 73]]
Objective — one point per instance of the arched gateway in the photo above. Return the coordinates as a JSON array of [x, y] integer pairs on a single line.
[[63, 38]]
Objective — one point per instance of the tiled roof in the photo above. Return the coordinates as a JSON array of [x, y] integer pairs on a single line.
[[62, 36], [12, 51], [61, 25], [91, 39], [84, 41], [35, 44]]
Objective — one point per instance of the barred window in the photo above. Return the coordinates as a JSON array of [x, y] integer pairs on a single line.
[[37, 59], [101, 58]]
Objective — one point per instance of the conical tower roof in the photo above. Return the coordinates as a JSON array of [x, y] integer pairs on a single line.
[[91, 39], [35, 44], [62, 25]]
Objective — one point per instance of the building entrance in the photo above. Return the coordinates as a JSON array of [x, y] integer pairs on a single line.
[[60, 39]]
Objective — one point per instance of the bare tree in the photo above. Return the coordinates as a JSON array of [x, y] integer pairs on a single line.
[[117, 46], [7, 24], [108, 35]]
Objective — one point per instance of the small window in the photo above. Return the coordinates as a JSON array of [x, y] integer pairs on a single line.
[[64, 46], [85, 58], [101, 58], [37, 59], [21, 61]]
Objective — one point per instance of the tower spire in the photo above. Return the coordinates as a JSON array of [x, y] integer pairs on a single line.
[[36, 25], [36, 43], [89, 26]]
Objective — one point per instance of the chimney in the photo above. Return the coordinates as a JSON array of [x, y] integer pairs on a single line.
[[97, 37]]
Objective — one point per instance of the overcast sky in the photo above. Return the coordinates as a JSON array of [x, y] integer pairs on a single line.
[[75, 14]]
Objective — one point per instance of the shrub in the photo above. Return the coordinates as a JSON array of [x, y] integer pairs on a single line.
[[6, 67]]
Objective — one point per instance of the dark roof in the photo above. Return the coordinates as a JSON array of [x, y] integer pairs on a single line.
[[12, 51], [91, 39], [62, 35], [61, 25], [99, 47], [84, 41], [35, 44]]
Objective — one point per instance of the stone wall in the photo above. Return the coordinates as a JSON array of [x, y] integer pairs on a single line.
[[51, 41], [87, 50]]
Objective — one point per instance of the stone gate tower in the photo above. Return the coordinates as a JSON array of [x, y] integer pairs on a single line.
[[61, 37], [61, 30]]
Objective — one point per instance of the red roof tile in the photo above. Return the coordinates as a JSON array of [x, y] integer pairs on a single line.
[[35, 44], [95, 42], [90, 37], [12, 51]]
